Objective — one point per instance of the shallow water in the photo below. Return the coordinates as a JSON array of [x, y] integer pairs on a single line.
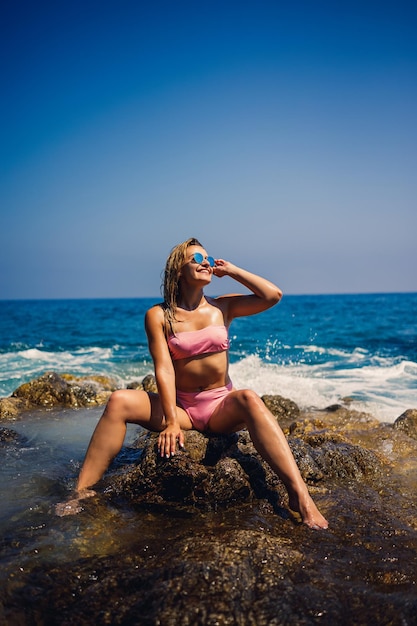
[[40, 471], [43, 466]]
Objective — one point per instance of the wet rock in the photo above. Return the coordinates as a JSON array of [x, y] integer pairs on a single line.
[[283, 409], [149, 384], [10, 408], [333, 407], [206, 474], [47, 390], [52, 389], [206, 575], [8, 436], [338, 419], [346, 461], [407, 422], [216, 471]]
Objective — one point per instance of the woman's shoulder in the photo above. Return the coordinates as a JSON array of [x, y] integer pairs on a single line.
[[222, 303], [155, 314]]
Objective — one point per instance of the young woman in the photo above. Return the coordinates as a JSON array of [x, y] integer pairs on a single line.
[[188, 342]]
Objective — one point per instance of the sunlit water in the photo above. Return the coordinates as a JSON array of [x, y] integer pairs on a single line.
[[39, 471]]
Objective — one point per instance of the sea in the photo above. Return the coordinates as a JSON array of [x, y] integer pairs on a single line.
[[317, 350]]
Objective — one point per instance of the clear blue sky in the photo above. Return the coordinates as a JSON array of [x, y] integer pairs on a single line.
[[281, 134]]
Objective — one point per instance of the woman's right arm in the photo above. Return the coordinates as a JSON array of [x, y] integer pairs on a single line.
[[165, 380]]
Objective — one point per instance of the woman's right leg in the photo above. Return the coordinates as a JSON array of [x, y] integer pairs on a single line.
[[124, 406]]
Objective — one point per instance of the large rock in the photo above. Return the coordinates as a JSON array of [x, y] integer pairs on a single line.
[[52, 389], [10, 408], [283, 409], [239, 563], [205, 474], [223, 471], [407, 422], [227, 576]]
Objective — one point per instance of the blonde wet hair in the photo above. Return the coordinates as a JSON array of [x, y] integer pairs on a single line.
[[171, 284]]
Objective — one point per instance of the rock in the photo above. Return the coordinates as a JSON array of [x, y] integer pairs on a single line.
[[407, 422], [8, 436], [136, 384], [282, 408], [47, 390], [333, 407], [10, 408], [147, 384], [346, 461], [223, 471], [51, 389], [206, 474], [207, 579], [340, 421], [217, 569]]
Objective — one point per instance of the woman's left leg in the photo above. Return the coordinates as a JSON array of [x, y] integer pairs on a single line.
[[244, 408]]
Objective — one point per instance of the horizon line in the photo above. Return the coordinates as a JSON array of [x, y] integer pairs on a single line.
[[156, 297]]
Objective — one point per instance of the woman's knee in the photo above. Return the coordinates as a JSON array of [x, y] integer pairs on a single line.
[[252, 409], [123, 403], [249, 401]]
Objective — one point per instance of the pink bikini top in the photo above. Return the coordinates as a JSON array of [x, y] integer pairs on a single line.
[[195, 342]]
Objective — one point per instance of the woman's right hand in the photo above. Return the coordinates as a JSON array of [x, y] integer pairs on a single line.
[[167, 440]]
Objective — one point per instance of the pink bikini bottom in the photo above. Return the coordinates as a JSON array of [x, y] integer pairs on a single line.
[[200, 405]]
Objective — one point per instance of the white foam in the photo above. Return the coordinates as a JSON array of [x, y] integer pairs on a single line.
[[320, 350], [382, 386], [384, 392], [25, 365], [33, 353]]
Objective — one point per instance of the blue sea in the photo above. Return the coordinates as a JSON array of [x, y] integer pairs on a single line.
[[315, 350]]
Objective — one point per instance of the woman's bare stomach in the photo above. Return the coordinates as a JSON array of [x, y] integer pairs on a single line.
[[202, 373]]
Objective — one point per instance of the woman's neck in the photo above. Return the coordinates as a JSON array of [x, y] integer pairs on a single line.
[[191, 301]]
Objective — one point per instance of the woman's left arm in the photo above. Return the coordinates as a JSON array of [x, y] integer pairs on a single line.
[[264, 293]]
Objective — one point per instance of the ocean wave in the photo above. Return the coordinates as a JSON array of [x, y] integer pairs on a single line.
[[321, 350], [382, 386], [24, 365], [385, 392]]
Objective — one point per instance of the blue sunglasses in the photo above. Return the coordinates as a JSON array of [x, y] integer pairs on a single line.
[[198, 258]]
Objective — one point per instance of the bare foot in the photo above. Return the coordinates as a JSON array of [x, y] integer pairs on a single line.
[[73, 506], [308, 511]]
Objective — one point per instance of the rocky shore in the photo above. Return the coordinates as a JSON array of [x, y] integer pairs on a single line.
[[214, 542]]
